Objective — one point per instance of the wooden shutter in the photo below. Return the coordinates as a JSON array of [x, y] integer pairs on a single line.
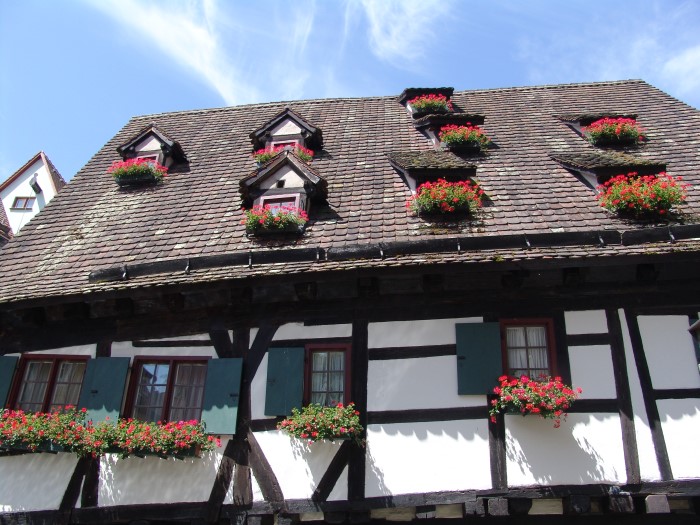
[[7, 370], [479, 362], [103, 387], [285, 380], [221, 395]]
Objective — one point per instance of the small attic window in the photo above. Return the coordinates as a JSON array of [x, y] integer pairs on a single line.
[[287, 128], [276, 202]]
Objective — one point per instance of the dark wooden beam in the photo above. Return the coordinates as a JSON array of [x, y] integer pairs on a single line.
[[264, 475], [333, 472], [360, 366], [70, 497], [497, 449], [624, 397], [411, 352], [222, 343], [426, 415], [91, 485], [587, 339], [652, 410]]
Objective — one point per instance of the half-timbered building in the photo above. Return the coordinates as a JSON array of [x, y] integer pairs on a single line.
[[115, 289]]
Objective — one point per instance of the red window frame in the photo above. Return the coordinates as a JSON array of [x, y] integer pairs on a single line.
[[547, 323], [136, 367], [310, 348], [49, 393], [295, 197]]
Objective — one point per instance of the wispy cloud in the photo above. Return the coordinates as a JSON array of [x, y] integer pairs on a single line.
[[401, 31], [683, 71], [222, 47]]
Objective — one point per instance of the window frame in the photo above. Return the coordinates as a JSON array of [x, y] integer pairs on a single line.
[[309, 349], [273, 196], [26, 200], [547, 322], [155, 156], [136, 366], [55, 359]]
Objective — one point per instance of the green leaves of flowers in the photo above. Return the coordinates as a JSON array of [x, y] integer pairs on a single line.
[[315, 422]]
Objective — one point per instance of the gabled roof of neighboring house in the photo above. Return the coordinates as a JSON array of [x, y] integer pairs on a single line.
[[56, 178], [95, 237]]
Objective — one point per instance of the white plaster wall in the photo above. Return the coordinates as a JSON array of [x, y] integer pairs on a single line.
[[592, 371], [299, 331], [66, 350], [586, 322], [416, 333], [126, 349], [291, 179], [680, 422], [286, 127], [34, 481], [20, 188], [255, 488], [648, 467], [427, 457], [587, 448], [150, 144], [298, 465], [669, 350], [340, 491], [404, 384], [151, 479], [258, 391]]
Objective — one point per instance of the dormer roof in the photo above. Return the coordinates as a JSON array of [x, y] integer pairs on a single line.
[[605, 164], [169, 146], [312, 135], [315, 185]]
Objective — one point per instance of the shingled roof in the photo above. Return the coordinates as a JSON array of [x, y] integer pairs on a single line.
[[144, 237]]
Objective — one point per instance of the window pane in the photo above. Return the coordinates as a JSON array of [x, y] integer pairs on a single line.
[[328, 377], [527, 351], [69, 379], [150, 394], [188, 392], [34, 383]]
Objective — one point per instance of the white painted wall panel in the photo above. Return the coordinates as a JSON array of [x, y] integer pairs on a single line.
[[404, 384], [286, 127], [151, 479], [34, 481], [299, 331], [416, 333], [592, 370], [680, 422], [340, 491], [586, 322], [648, 467], [298, 465], [669, 350], [66, 350], [291, 179], [427, 457], [258, 391], [126, 349], [585, 449], [150, 144]]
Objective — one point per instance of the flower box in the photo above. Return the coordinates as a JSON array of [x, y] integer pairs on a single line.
[[44, 446], [613, 132], [642, 197], [264, 155], [472, 147], [137, 172], [321, 423], [464, 139], [548, 397], [442, 198], [269, 220], [431, 104]]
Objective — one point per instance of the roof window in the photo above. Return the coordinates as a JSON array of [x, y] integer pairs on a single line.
[[151, 143]]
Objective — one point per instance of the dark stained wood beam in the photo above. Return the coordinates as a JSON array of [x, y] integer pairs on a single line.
[[360, 367], [333, 472], [70, 497], [264, 475], [222, 343]]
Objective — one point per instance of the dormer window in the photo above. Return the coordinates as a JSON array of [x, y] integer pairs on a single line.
[[276, 202], [151, 143], [420, 102], [608, 129], [287, 128]]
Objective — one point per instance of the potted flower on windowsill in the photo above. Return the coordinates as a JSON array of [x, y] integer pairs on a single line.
[[613, 132], [464, 139], [263, 155], [137, 171], [642, 197], [548, 397], [430, 104], [315, 422], [446, 198], [279, 219]]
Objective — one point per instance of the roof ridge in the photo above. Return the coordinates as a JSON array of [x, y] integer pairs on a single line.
[[556, 86]]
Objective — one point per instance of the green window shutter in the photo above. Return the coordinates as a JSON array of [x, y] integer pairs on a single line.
[[8, 364], [479, 362], [285, 380], [103, 387], [221, 394]]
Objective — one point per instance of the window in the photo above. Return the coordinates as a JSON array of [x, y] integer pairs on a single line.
[[278, 201], [167, 389], [23, 203], [151, 157], [528, 348], [49, 383], [285, 143], [327, 373]]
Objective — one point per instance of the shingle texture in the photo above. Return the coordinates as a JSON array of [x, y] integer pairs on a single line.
[[93, 224]]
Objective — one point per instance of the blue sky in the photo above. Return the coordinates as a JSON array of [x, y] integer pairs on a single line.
[[72, 72]]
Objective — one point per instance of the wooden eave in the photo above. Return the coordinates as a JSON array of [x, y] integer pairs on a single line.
[[435, 122]]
